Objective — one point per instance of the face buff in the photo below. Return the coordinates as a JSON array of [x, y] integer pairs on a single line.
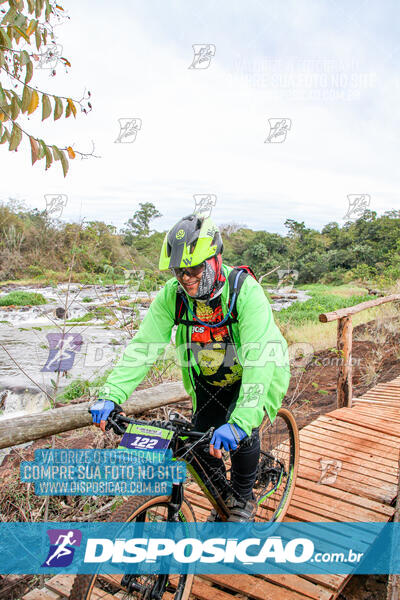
[[212, 279]]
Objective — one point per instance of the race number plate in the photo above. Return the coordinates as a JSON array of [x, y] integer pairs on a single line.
[[145, 437]]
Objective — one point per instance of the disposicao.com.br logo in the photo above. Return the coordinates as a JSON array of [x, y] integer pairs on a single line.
[[190, 547], [190, 550]]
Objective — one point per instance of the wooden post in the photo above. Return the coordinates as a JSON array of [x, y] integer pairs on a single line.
[[393, 590], [344, 346]]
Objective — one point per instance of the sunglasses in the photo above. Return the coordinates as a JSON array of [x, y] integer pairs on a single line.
[[190, 271]]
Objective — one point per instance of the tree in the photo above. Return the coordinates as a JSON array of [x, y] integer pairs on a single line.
[[139, 225], [22, 19]]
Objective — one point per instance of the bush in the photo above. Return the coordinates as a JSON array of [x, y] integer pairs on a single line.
[[22, 299]]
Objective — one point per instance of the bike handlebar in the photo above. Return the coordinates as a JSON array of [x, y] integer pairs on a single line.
[[179, 426]]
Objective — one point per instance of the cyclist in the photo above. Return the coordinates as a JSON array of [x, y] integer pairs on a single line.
[[234, 371]]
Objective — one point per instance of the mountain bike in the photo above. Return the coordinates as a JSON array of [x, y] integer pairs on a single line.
[[273, 489]]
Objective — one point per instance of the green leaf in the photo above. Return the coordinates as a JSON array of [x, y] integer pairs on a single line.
[[5, 38], [56, 153], [31, 6], [38, 38], [21, 33], [2, 95], [26, 99], [16, 137], [14, 108], [29, 72], [46, 107], [9, 16], [53, 383], [49, 157], [64, 163], [38, 328], [24, 57], [2, 59], [49, 10], [42, 149], [58, 108], [5, 137]]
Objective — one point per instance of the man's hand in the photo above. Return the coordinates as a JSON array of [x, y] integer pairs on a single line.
[[229, 435], [101, 410]]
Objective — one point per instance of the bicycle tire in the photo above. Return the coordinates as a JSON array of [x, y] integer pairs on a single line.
[[84, 586], [280, 452]]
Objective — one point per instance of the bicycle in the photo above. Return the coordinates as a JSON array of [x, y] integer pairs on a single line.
[[273, 489]]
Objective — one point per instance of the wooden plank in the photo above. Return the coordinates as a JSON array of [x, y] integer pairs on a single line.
[[204, 591], [42, 594], [347, 415], [388, 439], [360, 489], [350, 471], [393, 417], [331, 582], [339, 436], [350, 512], [350, 449], [382, 511], [253, 587], [347, 432], [295, 583], [61, 584], [378, 455]]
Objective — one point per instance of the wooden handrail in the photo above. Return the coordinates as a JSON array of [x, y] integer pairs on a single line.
[[343, 316], [352, 310], [17, 430]]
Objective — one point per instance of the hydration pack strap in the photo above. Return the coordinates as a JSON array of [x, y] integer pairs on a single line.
[[235, 279]]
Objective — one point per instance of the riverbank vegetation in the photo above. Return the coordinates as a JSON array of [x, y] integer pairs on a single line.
[[36, 247]]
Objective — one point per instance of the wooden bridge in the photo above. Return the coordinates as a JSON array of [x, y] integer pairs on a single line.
[[363, 444]]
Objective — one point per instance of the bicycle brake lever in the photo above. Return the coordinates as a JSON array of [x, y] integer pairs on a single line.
[[111, 424]]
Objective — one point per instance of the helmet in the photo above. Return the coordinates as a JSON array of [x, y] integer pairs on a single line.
[[191, 241]]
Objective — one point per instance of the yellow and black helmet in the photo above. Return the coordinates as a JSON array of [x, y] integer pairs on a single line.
[[191, 241]]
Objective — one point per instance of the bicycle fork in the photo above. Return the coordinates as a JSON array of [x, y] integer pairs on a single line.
[[175, 503]]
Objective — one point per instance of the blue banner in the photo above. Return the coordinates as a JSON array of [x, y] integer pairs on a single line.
[[214, 548], [102, 472]]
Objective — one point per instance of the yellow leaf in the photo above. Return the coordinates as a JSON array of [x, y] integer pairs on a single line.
[[72, 106], [71, 153], [31, 27], [34, 102]]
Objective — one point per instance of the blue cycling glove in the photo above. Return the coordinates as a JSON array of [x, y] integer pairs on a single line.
[[229, 435], [102, 409]]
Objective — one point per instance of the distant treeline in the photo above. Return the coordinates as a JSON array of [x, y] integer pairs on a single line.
[[33, 244]]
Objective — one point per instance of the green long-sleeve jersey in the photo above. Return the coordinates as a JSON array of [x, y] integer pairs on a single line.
[[261, 349]]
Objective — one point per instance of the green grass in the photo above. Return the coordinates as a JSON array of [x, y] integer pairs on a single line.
[[301, 312], [80, 387], [96, 313], [22, 299]]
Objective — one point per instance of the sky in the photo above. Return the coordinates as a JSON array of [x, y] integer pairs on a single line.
[[326, 71]]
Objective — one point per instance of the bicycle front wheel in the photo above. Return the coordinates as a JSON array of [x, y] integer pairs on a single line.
[[130, 587], [278, 465]]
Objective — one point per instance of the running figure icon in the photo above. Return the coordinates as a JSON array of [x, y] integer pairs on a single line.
[[61, 552]]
